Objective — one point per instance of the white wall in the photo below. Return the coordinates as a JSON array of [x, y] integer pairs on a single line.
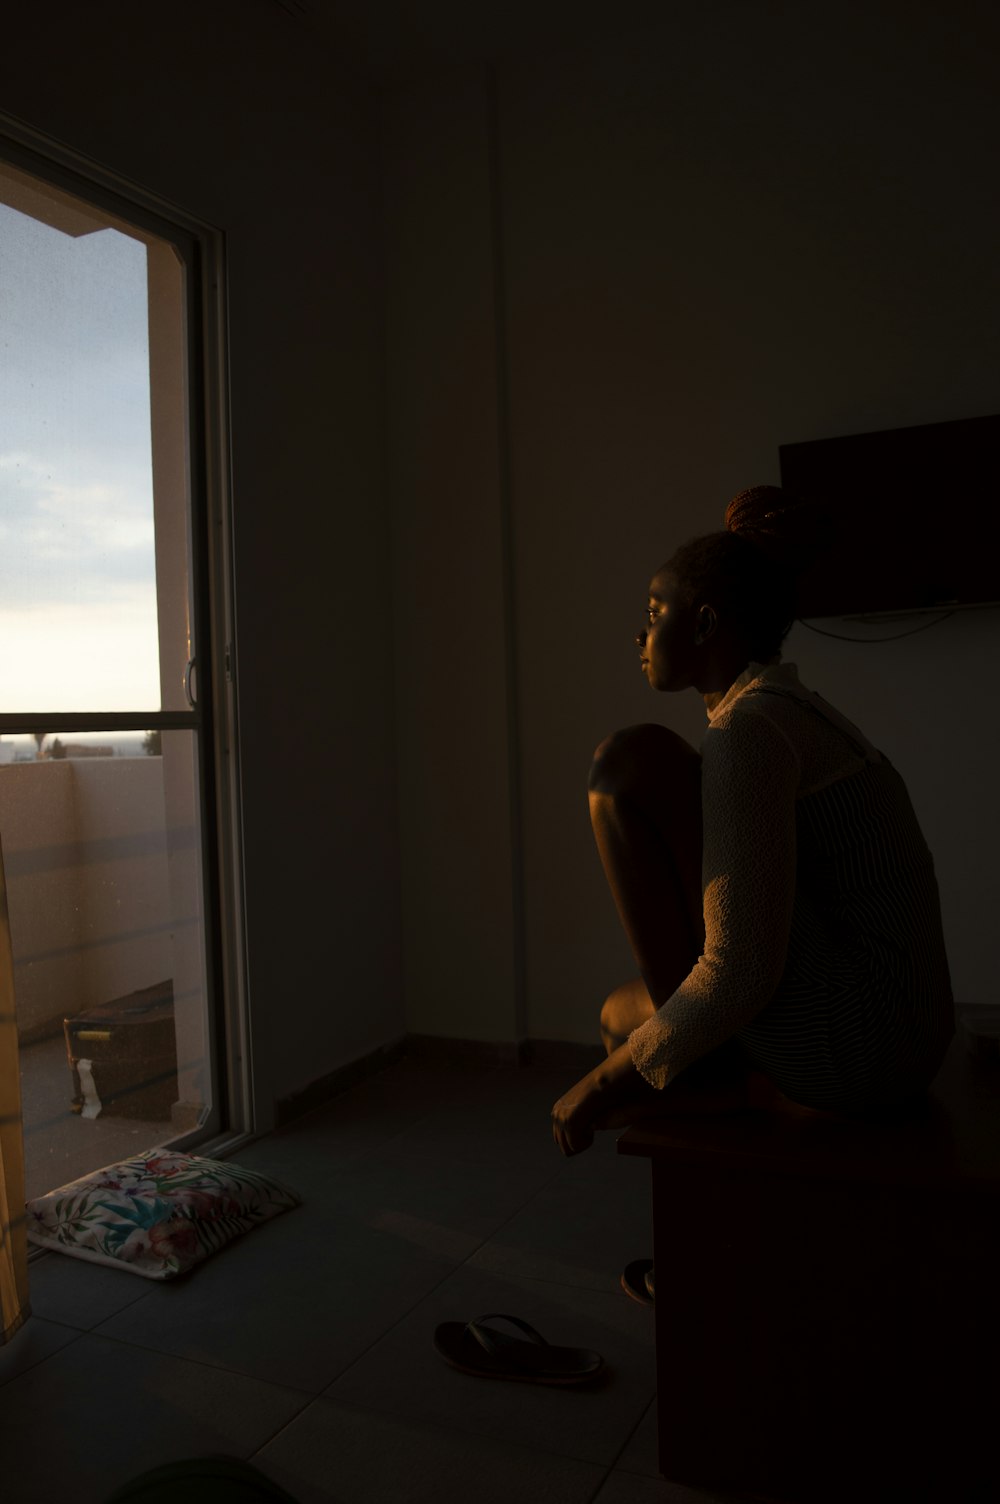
[[231, 112], [732, 228], [446, 600]]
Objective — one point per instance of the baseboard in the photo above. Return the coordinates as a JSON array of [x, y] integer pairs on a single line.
[[49, 1028], [334, 1083], [439, 1049], [979, 1026], [542, 1054], [562, 1055], [435, 1049]]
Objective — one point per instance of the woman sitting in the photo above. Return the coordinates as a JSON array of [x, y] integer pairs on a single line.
[[777, 892]]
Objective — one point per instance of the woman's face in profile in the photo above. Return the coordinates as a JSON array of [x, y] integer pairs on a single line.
[[666, 643]]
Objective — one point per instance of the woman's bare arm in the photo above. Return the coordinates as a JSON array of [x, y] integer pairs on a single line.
[[607, 1086]]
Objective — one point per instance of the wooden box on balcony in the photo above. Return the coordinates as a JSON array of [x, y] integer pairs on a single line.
[[132, 1050]]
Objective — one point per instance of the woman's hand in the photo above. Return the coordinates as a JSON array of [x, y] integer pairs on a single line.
[[575, 1115]]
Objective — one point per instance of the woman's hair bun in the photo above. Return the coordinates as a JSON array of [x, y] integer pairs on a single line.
[[792, 532], [756, 509]]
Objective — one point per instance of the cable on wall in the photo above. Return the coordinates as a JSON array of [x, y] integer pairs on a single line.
[[893, 636]]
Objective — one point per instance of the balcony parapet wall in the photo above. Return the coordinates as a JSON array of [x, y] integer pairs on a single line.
[[85, 854]]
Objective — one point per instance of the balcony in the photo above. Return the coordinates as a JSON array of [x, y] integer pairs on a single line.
[[103, 898]]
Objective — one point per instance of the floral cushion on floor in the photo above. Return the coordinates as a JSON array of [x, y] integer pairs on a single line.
[[158, 1214]]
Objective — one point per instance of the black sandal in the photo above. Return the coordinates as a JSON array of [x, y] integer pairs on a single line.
[[483, 1351]]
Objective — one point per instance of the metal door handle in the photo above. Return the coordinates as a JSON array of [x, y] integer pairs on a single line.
[[191, 665]]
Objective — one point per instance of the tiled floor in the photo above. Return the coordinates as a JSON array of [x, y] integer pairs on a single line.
[[430, 1194]]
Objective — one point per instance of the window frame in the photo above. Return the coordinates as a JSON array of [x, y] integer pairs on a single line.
[[214, 718]]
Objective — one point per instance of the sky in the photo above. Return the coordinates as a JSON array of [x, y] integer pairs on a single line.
[[77, 563]]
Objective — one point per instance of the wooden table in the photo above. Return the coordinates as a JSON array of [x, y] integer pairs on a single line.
[[828, 1298]]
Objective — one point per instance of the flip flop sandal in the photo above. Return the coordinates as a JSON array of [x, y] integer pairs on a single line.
[[481, 1350], [637, 1281]]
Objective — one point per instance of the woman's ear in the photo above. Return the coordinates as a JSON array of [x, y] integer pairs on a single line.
[[707, 621]]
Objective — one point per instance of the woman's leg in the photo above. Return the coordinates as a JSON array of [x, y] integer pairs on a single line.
[[645, 807]]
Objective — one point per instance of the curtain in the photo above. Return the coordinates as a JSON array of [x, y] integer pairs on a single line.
[[13, 1223]]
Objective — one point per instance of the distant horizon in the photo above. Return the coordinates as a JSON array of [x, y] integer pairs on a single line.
[[25, 748]]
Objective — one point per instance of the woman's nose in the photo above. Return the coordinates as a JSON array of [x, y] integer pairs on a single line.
[[640, 638]]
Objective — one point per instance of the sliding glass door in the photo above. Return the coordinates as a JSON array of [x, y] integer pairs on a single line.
[[110, 733]]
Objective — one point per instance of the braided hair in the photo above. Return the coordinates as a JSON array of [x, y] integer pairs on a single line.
[[749, 572]]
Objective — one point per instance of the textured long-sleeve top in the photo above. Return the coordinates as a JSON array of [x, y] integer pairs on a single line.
[[824, 952]]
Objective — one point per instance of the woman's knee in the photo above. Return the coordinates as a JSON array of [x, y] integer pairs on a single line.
[[624, 1010], [628, 758]]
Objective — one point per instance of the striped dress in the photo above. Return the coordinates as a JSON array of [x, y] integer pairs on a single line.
[[824, 952]]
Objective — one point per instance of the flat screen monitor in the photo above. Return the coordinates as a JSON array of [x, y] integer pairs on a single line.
[[914, 512]]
